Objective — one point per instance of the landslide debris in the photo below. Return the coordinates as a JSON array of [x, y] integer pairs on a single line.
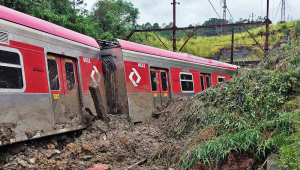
[[233, 125], [7, 131], [239, 122], [120, 145]]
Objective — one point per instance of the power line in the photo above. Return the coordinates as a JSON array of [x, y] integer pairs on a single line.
[[230, 14], [277, 10], [214, 9]]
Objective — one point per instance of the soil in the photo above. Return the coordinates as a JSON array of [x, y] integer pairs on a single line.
[[7, 131], [121, 145], [118, 146], [239, 161]]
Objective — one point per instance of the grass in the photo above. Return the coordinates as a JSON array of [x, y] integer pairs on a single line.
[[205, 46], [255, 112]]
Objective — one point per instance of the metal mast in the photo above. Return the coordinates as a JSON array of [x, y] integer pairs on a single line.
[[267, 22], [282, 10], [174, 27], [224, 17]]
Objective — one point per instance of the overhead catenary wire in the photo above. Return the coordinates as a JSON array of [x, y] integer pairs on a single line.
[[277, 10], [230, 14], [214, 8]]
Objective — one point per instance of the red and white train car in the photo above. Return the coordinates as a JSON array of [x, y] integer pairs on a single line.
[[45, 72], [147, 77]]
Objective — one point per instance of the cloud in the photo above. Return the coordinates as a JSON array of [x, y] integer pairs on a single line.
[[194, 11]]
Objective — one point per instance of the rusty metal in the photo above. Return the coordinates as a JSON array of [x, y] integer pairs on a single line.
[[224, 18], [232, 42], [188, 38], [257, 43], [174, 27], [197, 27], [131, 33], [161, 41], [267, 22]]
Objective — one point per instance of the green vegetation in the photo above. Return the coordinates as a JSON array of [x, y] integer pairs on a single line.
[[108, 19], [256, 112], [205, 46]]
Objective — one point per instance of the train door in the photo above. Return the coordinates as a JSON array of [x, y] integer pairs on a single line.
[[64, 91], [205, 80], [160, 86]]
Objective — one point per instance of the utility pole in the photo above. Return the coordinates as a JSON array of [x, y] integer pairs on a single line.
[[232, 44], [174, 27], [268, 22], [282, 11], [224, 18]]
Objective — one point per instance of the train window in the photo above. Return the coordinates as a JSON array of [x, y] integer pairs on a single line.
[[11, 76], [187, 84], [221, 79], [164, 81], [202, 83], [153, 80], [53, 74], [70, 76], [9, 57], [208, 81]]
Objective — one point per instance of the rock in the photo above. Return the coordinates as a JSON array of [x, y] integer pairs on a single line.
[[51, 146], [103, 136], [49, 153], [271, 163], [57, 151], [87, 157], [22, 163], [32, 161]]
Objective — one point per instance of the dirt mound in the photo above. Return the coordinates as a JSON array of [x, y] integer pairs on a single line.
[[119, 146]]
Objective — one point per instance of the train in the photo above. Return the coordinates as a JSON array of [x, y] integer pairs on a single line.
[[46, 71]]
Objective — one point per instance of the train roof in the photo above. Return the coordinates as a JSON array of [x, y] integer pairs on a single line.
[[39, 24], [174, 55]]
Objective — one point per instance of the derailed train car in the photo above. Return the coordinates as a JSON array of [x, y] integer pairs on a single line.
[[46, 71], [146, 77]]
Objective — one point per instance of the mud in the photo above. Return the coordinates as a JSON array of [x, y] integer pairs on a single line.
[[7, 132], [119, 146]]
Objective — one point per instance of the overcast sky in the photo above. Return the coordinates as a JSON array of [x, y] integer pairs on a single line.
[[195, 11]]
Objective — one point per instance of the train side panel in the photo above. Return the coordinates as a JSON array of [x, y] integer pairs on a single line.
[[28, 106], [184, 79], [138, 90]]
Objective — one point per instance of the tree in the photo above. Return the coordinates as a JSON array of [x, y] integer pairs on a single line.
[[148, 25], [115, 17], [156, 26]]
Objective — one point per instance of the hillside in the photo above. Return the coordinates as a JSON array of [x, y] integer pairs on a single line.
[[205, 46], [240, 123]]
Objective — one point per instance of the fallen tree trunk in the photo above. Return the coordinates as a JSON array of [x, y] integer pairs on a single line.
[[98, 103]]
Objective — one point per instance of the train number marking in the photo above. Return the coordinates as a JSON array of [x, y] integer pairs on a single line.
[[142, 65], [93, 75], [56, 96], [138, 77], [86, 60]]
